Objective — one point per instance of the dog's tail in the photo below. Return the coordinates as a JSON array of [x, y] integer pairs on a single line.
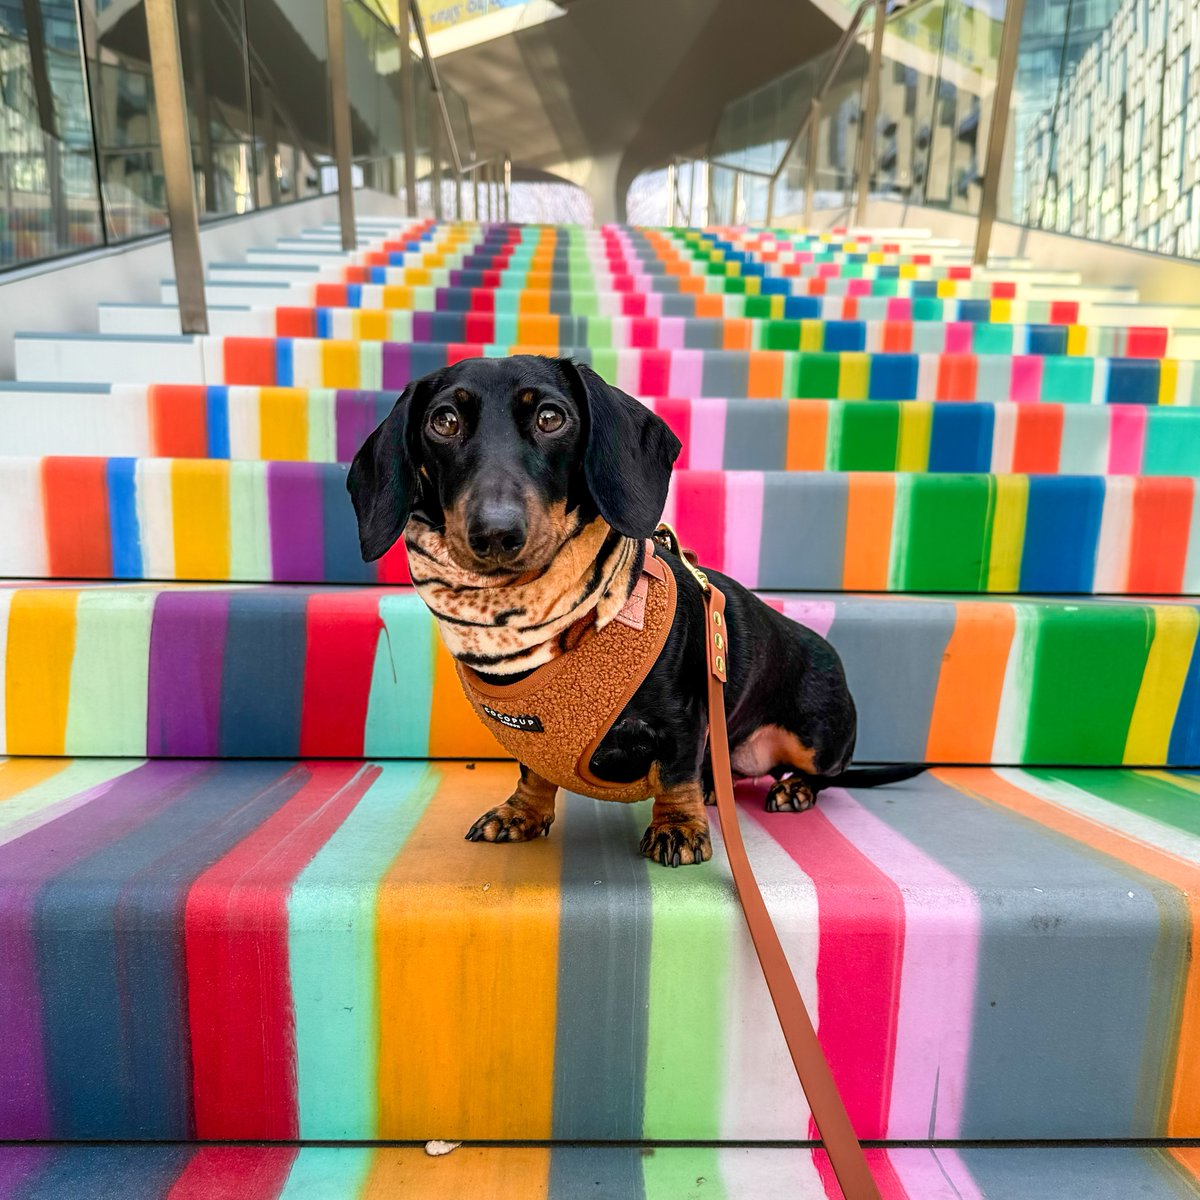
[[865, 777]]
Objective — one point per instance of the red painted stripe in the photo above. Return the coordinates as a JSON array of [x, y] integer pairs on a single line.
[[457, 351], [295, 322], [1004, 289], [633, 304], [890, 1185], [393, 566], [861, 948], [678, 415], [479, 327], [178, 420], [235, 1173], [897, 337], [1064, 312], [342, 632], [1162, 519], [250, 361], [1146, 341], [700, 515], [75, 507], [957, 377], [236, 946], [356, 274], [654, 372], [483, 300], [331, 295], [1037, 443]]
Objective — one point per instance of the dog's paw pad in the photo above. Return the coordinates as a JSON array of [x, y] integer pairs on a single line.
[[791, 796], [510, 823], [677, 843]]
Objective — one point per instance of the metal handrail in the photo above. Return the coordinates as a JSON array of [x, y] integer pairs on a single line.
[[435, 86]]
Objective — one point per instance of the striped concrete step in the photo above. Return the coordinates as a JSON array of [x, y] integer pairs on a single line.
[[696, 333], [328, 425], [278, 950], [236, 672], [292, 522], [766, 374], [562, 1172]]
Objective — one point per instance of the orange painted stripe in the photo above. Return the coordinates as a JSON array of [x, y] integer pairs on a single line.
[[75, 510], [283, 424], [1184, 1101], [37, 681], [897, 337], [490, 988], [765, 376], [514, 1173], [1162, 520], [455, 730], [967, 704], [249, 361], [708, 305], [200, 512], [693, 285], [869, 511], [530, 302], [1188, 1157], [807, 434], [738, 335], [1037, 443], [18, 775], [538, 329], [178, 420], [957, 377]]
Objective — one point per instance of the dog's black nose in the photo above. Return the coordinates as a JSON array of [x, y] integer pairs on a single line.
[[498, 530]]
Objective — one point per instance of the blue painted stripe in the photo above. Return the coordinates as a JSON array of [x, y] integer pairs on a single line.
[[1062, 530], [217, 405], [961, 438], [123, 520], [283, 362]]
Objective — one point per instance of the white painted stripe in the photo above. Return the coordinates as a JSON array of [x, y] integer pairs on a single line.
[[1008, 744], [769, 1173], [22, 518], [156, 517], [1116, 528], [1004, 438], [927, 373], [245, 434], [306, 363]]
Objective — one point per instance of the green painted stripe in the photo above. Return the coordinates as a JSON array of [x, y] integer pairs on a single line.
[[945, 534], [870, 437], [328, 1173], [684, 1173], [818, 375], [250, 530], [1081, 702], [72, 783], [332, 957], [322, 432], [1162, 801], [401, 696]]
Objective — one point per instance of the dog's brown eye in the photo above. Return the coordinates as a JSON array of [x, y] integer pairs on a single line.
[[549, 419], [445, 423]]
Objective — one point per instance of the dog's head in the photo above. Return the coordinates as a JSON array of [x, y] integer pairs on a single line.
[[508, 457]]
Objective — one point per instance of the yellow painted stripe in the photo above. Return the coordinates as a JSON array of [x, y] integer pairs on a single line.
[[812, 334], [854, 375], [916, 428], [397, 297], [373, 324], [1175, 628], [482, 1172], [418, 276], [777, 307], [1187, 782], [37, 683], [1077, 336], [20, 774], [908, 270], [339, 364], [283, 424], [1008, 533], [753, 285], [200, 508], [455, 730], [1002, 311], [946, 288], [445, 994], [1168, 380]]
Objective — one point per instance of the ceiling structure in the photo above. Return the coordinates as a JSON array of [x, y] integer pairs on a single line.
[[614, 87]]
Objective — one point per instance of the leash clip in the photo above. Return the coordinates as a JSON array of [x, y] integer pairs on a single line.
[[668, 539]]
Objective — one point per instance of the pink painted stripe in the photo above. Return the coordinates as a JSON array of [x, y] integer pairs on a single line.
[[670, 333], [858, 965], [942, 925], [1126, 438], [743, 525], [687, 373], [926, 1175], [1026, 377], [708, 435], [959, 336], [699, 503], [816, 615]]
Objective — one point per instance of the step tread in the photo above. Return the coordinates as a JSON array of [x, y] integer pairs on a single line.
[[568, 1172], [988, 954]]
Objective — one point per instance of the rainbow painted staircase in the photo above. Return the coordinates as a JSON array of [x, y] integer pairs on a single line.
[[244, 949]]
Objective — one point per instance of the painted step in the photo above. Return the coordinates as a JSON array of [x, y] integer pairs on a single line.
[[329, 425], [566, 1172], [245, 672], [292, 522], [694, 333], [766, 374], [276, 950]]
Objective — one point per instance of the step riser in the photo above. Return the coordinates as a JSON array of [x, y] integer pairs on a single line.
[[666, 333], [325, 425], [273, 951], [251, 673], [766, 374]]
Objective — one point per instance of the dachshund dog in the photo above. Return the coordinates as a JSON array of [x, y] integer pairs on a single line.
[[525, 489]]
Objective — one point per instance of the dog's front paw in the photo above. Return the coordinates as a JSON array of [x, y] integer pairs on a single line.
[[790, 795], [510, 822], [677, 843]]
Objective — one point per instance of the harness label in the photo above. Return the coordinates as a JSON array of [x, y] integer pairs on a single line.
[[525, 722]]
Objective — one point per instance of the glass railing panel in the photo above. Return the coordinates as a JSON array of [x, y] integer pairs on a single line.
[[49, 199]]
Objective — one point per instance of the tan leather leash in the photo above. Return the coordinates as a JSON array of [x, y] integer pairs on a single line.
[[833, 1122]]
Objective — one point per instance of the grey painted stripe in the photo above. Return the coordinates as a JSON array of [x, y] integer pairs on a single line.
[[1080, 960], [756, 435], [803, 530], [11, 385], [1099, 1173], [603, 974], [174, 338], [249, 266], [726, 373], [596, 1173], [892, 653]]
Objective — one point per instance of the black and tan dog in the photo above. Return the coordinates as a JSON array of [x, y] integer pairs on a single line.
[[525, 489]]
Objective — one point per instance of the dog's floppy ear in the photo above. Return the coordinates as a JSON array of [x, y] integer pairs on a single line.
[[630, 451], [383, 480]]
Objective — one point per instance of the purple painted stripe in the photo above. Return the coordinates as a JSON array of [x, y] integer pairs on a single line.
[[18, 1164], [397, 367], [187, 654], [26, 865], [354, 419], [295, 514]]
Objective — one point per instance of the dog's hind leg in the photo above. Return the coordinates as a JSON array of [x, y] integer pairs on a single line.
[[678, 833], [527, 814]]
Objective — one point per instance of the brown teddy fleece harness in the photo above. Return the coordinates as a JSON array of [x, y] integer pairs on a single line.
[[553, 720]]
